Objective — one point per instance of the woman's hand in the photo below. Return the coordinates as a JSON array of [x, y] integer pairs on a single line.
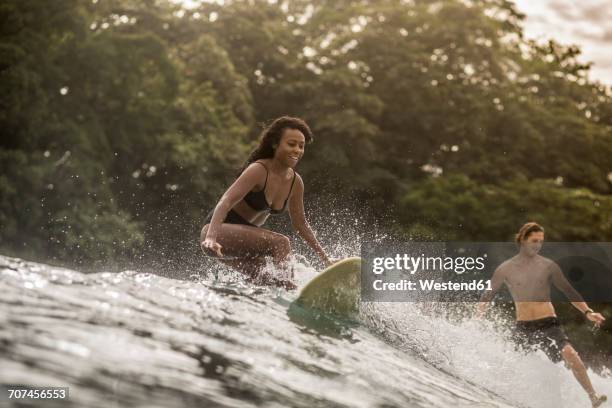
[[596, 318], [212, 246], [330, 261]]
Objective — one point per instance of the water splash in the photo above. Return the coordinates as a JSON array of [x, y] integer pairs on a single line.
[[480, 352], [138, 339]]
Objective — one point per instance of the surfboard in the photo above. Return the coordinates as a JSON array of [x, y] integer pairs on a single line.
[[337, 289]]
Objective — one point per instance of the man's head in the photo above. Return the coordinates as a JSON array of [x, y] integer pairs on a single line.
[[530, 238]]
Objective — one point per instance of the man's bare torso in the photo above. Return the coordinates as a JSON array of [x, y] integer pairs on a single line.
[[529, 281]]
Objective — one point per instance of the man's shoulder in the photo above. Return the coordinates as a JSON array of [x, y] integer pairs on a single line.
[[547, 263], [543, 259], [508, 263]]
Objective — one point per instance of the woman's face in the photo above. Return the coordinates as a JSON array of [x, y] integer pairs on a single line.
[[290, 148]]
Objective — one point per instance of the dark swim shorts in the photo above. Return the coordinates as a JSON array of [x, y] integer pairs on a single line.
[[545, 334]]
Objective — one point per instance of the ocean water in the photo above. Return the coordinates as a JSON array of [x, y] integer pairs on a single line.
[[141, 340]]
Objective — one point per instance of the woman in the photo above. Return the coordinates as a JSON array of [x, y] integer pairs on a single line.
[[267, 185]]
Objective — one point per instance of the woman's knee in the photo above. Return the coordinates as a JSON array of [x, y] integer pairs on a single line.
[[281, 246]]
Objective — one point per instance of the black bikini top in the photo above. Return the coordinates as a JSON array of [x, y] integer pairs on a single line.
[[257, 199]]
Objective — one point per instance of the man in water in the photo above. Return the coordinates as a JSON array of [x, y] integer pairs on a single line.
[[528, 277]]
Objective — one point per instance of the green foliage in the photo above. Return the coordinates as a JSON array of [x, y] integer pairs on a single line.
[[68, 215], [441, 114], [105, 143], [456, 207]]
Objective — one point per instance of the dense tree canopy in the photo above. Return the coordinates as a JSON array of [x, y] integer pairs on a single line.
[[123, 121]]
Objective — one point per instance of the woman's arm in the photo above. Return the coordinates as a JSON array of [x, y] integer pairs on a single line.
[[299, 223], [236, 192]]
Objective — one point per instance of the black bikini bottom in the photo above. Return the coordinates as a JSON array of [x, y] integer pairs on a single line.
[[232, 217]]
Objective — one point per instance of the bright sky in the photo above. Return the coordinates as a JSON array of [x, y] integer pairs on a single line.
[[586, 23]]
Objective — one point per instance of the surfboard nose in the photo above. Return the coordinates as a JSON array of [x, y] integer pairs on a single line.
[[337, 289]]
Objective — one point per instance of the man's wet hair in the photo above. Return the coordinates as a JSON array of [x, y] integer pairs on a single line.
[[526, 230]]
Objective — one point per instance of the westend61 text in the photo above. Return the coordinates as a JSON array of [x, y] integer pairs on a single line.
[[432, 285]]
